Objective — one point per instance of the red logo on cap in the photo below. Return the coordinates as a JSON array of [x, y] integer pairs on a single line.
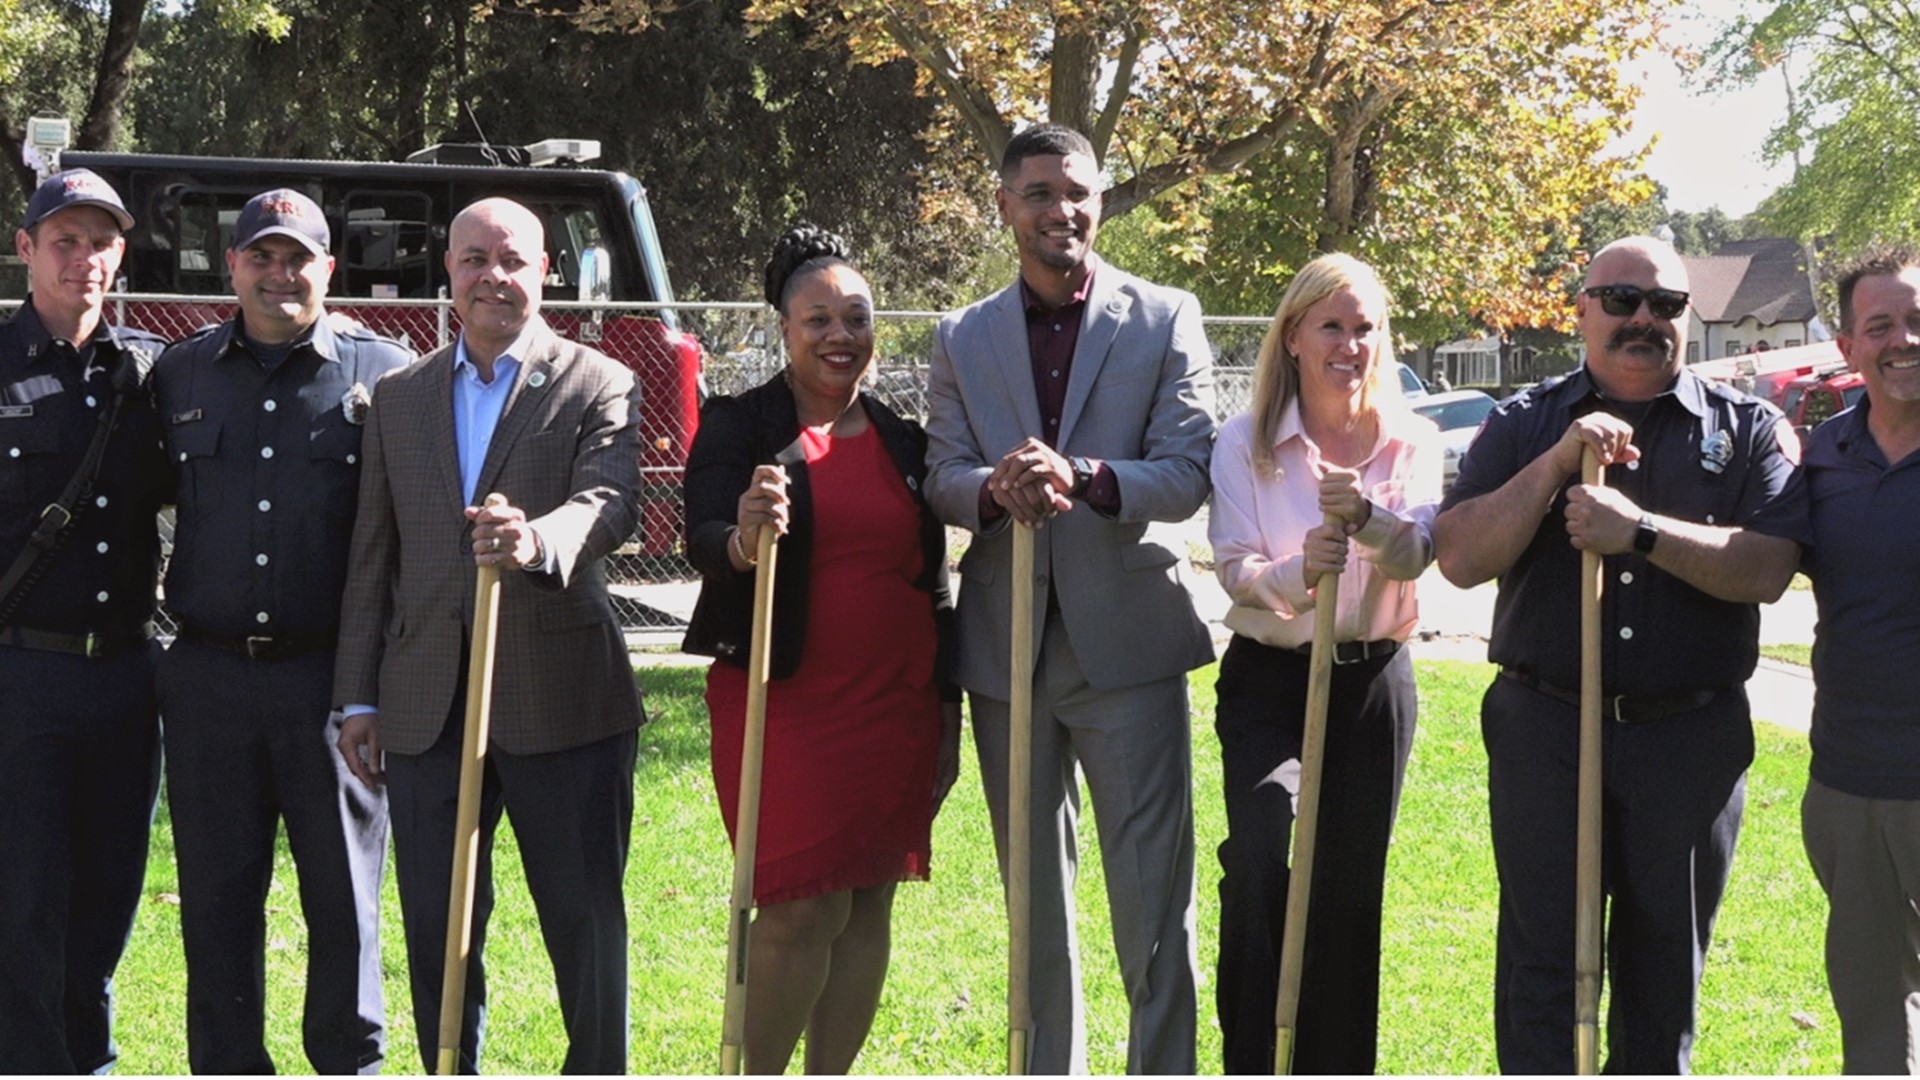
[[283, 207], [82, 184]]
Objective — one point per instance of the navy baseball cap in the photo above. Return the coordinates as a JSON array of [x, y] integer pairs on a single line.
[[74, 187], [282, 212]]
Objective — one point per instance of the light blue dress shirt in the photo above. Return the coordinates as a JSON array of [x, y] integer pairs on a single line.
[[477, 408]]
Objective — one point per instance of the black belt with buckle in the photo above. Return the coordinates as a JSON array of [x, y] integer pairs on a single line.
[[1620, 708], [1352, 652], [93, 645], [263, 647]]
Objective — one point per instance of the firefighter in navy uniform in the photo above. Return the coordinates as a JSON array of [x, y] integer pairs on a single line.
[[1699, 522], [81, 479], [262, 417]]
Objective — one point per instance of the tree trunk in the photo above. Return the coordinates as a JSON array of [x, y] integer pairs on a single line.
[[1073, 75], [112, 77]]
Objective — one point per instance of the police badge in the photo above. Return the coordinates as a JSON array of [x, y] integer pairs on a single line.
[[1716, 450], [355, 403]]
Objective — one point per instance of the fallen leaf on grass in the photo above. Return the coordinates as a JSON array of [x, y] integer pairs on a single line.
[[1804, 1020], [167, 898]]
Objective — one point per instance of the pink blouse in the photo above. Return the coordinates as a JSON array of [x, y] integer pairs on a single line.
[[1257, 525]]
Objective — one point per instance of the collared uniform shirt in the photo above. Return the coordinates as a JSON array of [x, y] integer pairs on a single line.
[[1866, 511], [268, 475], [1708, 454], [101, 580], [1257, 525]]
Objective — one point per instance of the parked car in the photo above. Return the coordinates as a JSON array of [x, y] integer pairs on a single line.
[[1812, 400], [1458, 414], [1410, 383]]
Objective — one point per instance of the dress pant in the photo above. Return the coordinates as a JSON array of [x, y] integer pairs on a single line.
[[250, 743], [1262, 699], [79, 770], [1133, 745], [572, 814], [1866, 853], [1672, 792]]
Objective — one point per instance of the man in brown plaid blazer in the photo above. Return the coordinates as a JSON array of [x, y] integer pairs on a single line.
[[552, 426]]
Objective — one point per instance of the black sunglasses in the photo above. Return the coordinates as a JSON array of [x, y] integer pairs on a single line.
[[1625, 300]]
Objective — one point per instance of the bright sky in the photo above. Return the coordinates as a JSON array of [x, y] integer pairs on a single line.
[[1709, 149]]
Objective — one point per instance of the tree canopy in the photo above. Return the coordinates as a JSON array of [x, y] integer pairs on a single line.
[[1446, 138], [1853, 115]]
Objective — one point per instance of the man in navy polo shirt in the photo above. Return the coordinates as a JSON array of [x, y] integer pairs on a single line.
[[1699, 522], [263, 415], [79, 746], [1861, 814]]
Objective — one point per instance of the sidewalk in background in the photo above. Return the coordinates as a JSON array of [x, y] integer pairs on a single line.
[[1453, 626]]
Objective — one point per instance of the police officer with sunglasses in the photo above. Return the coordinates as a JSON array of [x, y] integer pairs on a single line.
[[1700, 521]]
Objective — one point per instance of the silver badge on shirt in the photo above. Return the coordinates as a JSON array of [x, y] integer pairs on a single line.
[[1716, 450]]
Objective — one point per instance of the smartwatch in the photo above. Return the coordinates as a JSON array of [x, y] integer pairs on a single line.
[[1082, 476], [1645, 535]]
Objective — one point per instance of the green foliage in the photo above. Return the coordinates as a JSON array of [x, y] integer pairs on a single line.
[[735, 134], [1853, 117]]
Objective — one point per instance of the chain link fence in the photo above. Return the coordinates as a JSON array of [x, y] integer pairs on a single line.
[[681, 353]]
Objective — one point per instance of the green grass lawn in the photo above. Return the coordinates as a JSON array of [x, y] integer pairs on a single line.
[[1801, 655], [1764, 1002]]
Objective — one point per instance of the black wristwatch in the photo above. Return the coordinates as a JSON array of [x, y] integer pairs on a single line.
[[1645, 535], [1082, 476]]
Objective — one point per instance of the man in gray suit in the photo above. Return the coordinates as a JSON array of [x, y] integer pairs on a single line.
[[1079, 400], [553, 426]]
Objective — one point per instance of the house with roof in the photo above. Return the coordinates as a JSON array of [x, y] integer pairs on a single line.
[[1751, 295]]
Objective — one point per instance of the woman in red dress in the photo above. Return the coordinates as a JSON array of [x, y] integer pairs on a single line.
[[863, 727]]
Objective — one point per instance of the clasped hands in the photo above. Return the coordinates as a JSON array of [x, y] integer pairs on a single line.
[[1599, 518], [1032, 483], [1324, 549]]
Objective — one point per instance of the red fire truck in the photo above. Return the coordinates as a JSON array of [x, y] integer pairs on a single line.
[[389, 222]]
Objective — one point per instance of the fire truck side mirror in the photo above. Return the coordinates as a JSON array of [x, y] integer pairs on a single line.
[[596, 274]]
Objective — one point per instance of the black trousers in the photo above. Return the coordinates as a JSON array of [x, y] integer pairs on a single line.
[[572, 813], [249, 743], [1673, 791], [1262, 698], [79, 771]]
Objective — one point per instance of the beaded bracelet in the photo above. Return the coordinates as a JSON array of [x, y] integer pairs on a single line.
[[740, 549]]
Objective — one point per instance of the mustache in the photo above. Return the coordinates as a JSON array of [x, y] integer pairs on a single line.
[[1638, 333]]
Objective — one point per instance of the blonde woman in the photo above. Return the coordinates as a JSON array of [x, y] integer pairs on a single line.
[[1328, 435]]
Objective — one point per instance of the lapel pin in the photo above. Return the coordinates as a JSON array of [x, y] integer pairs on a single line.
[[537, 380]]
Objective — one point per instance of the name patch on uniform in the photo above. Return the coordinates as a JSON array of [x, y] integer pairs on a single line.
[[187, 417], [15, 412]]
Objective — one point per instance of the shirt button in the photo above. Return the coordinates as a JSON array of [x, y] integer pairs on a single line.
[[1056, 328], [1633, 466], [260, 559], [92, 402], [1055, 373], [183, 455], [266, 505], [101, 596], [1626, 577], [351, 459], [101, 547], [266, 451], [269, 404], [1626, 633], [1709, 519], [13, 452], [1053, 423], [260, 617], [101, 502]]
